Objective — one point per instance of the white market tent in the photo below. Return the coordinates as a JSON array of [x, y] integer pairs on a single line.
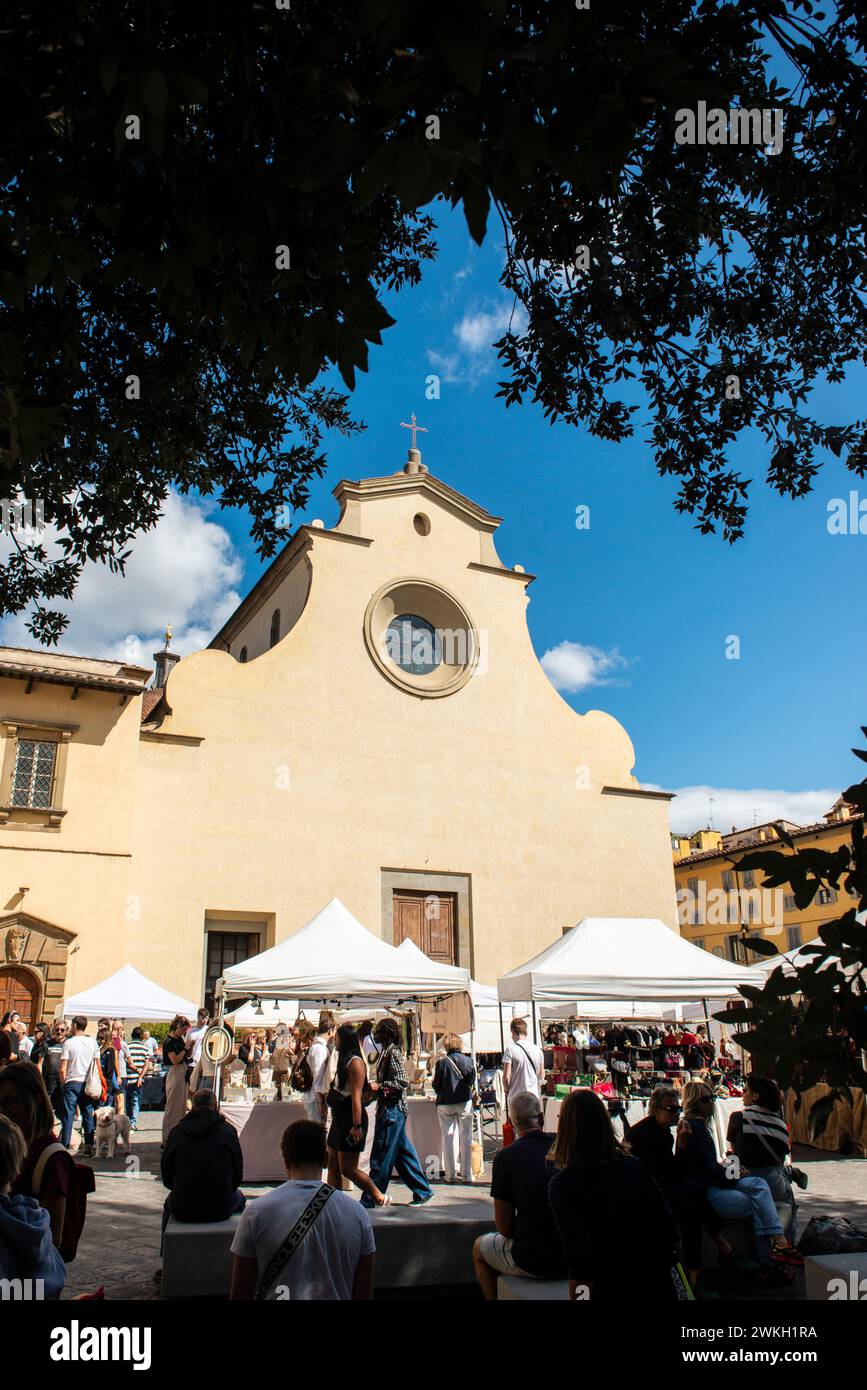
[[336, 960], [622, 959], [129, 994], [248, 1015], [621, 1011], [798, 957]]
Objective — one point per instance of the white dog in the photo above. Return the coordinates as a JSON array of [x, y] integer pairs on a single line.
[[109, 1128]]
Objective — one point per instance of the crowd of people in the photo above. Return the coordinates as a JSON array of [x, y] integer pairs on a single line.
[[580, 1204]]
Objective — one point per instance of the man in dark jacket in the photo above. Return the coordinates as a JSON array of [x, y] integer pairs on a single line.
[[652, 1141], [202, 1165]]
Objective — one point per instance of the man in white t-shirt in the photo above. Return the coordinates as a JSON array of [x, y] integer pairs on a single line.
[[78, 1052], [523, 1062], [333, 1262], [195, 1037], [318, 1060]]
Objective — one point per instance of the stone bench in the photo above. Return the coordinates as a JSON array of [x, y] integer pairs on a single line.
[[511, 1288], [431, 1245], [832, 1278], [197, 1258], [415, 1248], [739, 1235]]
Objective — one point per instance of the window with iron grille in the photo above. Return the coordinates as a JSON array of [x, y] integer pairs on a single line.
[[789, 903], [33, 777], [225, 949]]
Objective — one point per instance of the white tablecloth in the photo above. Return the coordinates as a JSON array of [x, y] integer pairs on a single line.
[[637, 1109], [260, 1127]]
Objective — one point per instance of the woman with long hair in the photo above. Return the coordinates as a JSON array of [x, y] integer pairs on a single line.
[[732, 1190], [121, 1057], [24, 1100], [613, 1220], [175, 1060], [108, 1062], [393, 1150], [348, 1130], [250, 1053]]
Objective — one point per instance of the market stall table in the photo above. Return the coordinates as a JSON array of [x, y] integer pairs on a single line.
[[637, 1109], [260, 1126]]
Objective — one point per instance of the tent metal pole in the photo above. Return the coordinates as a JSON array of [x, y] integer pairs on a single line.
[[218, 1066], [535, 1029], [502, 1037]]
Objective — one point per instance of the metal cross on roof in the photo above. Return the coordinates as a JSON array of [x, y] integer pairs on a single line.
[[416, 429]]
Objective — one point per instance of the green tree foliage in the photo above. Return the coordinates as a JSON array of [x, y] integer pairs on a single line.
[[808, 1023], [309, 126]]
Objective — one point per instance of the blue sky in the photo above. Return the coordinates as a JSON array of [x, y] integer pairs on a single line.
[[641, 579], [647, 602]]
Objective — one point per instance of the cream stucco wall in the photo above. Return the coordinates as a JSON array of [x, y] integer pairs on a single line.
[[306, 773]]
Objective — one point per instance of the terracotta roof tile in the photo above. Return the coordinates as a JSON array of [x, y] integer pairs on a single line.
[[149, 702]]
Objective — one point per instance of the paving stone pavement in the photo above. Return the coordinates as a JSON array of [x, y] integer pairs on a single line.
[[119, 1248]]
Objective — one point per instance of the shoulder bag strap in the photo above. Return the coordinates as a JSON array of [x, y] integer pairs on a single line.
[[754, 1134], [41, 1163], [529, 1058], [288, 1247], [455, 1068]]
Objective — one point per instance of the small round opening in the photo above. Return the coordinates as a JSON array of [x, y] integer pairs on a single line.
[[421, 524]]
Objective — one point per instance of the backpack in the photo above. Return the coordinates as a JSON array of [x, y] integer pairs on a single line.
[[82, 1183], [301, 1077]]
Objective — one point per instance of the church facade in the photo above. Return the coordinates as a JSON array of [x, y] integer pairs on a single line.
[[372, 722]]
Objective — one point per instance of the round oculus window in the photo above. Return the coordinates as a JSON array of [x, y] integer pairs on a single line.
[[421, 637], [414, 644]]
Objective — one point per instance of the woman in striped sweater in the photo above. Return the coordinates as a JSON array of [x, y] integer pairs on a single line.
[[759, 1136]]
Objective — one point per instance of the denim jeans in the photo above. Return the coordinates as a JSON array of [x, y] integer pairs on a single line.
[[782, 1192], [392, 1150], [73, 1095], [133, 1101], [749, 1199]]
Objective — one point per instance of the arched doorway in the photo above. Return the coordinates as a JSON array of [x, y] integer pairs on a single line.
[[19, 991]]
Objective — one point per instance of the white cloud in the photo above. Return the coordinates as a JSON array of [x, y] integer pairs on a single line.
[[478, 331], [691, 809], [184, 572], [471, 358], [573, 666]]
